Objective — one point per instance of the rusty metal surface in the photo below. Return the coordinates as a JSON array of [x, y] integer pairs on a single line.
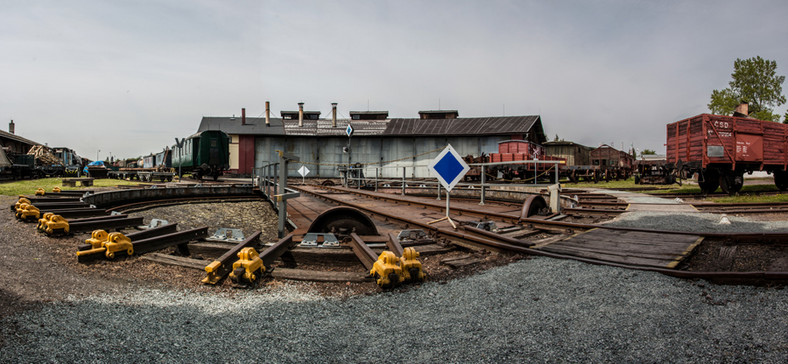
[[104, 224], [393, 244], [362, 251], [504, 125], [270, 254], [163, 241]]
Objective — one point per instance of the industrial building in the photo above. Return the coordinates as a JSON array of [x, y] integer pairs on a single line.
[[380, 144]]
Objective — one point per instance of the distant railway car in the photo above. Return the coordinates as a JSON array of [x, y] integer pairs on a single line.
[[575, 154], [720, 149], [163, 159], [206, 153], [149, 161], [613, 163]]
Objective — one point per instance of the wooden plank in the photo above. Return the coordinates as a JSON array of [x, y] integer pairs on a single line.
[[431, 249], [665, 256], [660, 263], [463, 262], [319, 276], [175, 260]]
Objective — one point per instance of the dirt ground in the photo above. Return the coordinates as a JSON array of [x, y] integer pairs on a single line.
[[36, 269]]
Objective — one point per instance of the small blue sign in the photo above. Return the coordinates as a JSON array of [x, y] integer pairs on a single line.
[[449, 167], [349, 130]]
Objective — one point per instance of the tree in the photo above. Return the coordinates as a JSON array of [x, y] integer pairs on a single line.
[[648, 152], [785, 117], [754, 81]]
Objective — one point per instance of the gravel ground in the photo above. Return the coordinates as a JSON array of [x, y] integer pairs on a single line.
[[535, 310], [696, 222]]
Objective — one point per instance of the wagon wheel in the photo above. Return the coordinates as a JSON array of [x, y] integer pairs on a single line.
[[781, 180], [731, 183], [710, 182]]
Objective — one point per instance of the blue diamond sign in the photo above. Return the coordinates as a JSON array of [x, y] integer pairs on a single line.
[[349, 130], [449, 167]]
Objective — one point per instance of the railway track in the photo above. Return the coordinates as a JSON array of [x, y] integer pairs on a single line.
[[543, 237]]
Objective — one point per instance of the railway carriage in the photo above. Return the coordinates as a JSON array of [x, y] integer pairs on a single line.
[[720, 149], [206, 153]]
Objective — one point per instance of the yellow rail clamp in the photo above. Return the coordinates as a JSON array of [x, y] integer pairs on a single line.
[[22, 200], [117, 242], [248, 267], [387, 270], [42, 222], [28, 212], [56, 189], [411, 266], [97, 238], [40, 191], [57, 225]]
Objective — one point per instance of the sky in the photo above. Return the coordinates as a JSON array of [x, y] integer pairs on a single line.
[[125, 78]]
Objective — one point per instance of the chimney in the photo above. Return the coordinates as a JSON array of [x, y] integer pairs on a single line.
[[742, 110], [243, 116], [11, 126], [300, 114], [333, 114], [267, 113]]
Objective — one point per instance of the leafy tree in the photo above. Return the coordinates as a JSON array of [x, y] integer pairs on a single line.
[[648, 152], [754, 81], [785, 117]]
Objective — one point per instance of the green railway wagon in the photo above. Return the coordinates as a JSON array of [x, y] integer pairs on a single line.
[[206, 153]]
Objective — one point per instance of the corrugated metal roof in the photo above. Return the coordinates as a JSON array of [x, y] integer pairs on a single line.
[[501, 125], [254, 126]]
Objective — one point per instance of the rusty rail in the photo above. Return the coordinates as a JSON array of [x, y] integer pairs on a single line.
[[222, 266]]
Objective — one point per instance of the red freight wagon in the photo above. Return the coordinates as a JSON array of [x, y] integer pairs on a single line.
[[722, 148]]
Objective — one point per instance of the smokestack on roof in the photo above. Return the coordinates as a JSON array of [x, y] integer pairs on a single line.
[[333, 114], [243, 116], [267, 113], [742, 110], [300, 114], [11, 126]]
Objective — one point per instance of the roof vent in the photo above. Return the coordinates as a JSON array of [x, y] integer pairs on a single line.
[[439, 114], [369, 115]]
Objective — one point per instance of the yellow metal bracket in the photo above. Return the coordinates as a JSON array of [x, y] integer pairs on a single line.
[[56, 224], [248, 267], [387, 270], [411, 266], [40, 191]]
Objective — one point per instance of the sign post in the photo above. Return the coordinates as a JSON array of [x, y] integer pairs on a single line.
[[303, 171], [449, 168]]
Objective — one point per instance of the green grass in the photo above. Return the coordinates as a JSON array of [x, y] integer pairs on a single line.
[[750, 199], [29, 187]]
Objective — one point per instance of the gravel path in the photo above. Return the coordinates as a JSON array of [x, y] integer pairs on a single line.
[[696, 222], [538, 310]]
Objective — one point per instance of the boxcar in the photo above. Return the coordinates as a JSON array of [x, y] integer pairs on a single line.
[[720, 149], [206, 153]]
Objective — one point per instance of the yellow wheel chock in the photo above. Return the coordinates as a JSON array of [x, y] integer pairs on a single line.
[[117, 242], [42, 222], [112, 243], [56, 225], [97, 238], [40, 191], [248, 267], [56, 189], [387, 270], [22, 199], [411, 266], [28, 212]]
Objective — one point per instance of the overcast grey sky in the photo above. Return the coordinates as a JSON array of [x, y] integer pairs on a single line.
[[127, 77]]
